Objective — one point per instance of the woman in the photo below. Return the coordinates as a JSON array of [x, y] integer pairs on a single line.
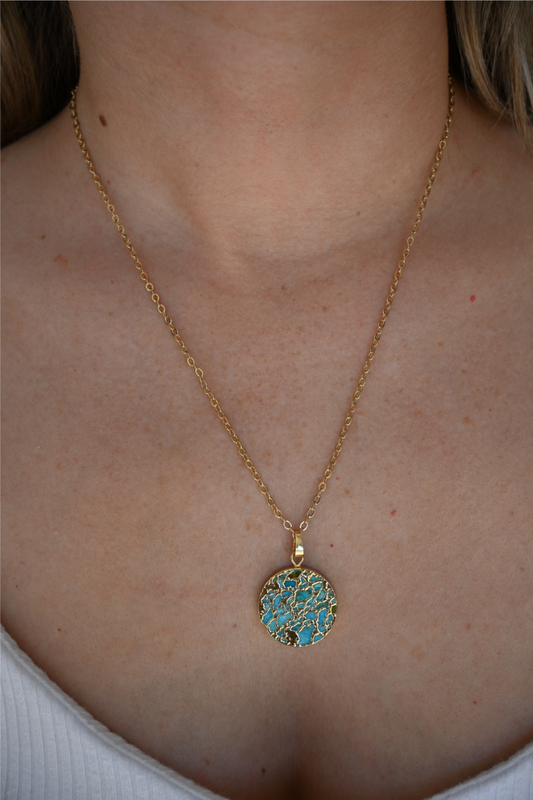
[[267, 161]]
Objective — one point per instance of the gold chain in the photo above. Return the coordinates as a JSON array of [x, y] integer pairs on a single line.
[[149, 286]]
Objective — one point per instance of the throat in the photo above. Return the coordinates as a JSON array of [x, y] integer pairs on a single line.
[[284, 131]]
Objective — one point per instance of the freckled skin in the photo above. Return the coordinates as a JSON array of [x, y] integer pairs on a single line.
[[249, 202], [60, 259]]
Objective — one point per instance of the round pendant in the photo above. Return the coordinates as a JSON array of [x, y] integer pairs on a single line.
[[297, 606]]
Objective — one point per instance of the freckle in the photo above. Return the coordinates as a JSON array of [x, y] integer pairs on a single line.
[[235, 625], [439, 344], [58, 465], [103, 120], [473, 298], [43, 236], [207, 761], [418, 653], [358, 214], [324, 308], [263, 770], [393, 512], [283, 288], [346, 491], [468, 626], [56, 532], [466, 420]]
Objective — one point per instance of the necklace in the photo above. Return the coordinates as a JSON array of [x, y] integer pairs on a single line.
[[297, 605]]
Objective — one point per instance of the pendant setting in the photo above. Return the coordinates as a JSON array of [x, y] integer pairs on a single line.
[[297, 606]]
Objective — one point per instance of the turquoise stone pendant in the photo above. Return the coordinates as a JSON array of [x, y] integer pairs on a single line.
[[297, 606]]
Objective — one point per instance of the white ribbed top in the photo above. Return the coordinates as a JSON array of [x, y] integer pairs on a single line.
[[52, 749]]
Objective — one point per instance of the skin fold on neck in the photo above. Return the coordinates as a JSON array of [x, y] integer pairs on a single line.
[[264, 135]]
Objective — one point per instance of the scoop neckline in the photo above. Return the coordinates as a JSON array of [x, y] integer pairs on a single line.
[[101, 731], [119, 744]]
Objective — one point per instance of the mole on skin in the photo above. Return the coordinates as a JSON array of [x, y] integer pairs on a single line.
[[102, 120]]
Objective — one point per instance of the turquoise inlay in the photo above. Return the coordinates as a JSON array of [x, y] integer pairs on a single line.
[[305, 636], [268, 616], [283, 618], [298, 606]]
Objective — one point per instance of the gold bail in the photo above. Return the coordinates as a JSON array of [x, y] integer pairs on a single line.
[[297, 556]]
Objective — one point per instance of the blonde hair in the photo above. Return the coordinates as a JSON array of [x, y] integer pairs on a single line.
[[490, 44], [493, 56]]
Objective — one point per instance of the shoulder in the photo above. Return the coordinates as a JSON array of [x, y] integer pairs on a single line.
[[47, 225], [36, 181], [493, 170], [482, 226]]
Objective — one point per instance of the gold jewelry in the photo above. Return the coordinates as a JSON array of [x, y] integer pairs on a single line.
[[296, 605]]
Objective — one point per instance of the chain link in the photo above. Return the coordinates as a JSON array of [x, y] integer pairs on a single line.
[[149, 286]]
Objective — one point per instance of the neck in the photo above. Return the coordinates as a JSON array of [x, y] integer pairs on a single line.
[[264, 133]]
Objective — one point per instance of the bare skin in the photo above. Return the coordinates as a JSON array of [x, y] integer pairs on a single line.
[[268, 179]]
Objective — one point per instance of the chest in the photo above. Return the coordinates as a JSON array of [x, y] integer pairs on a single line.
[[138, 544]]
